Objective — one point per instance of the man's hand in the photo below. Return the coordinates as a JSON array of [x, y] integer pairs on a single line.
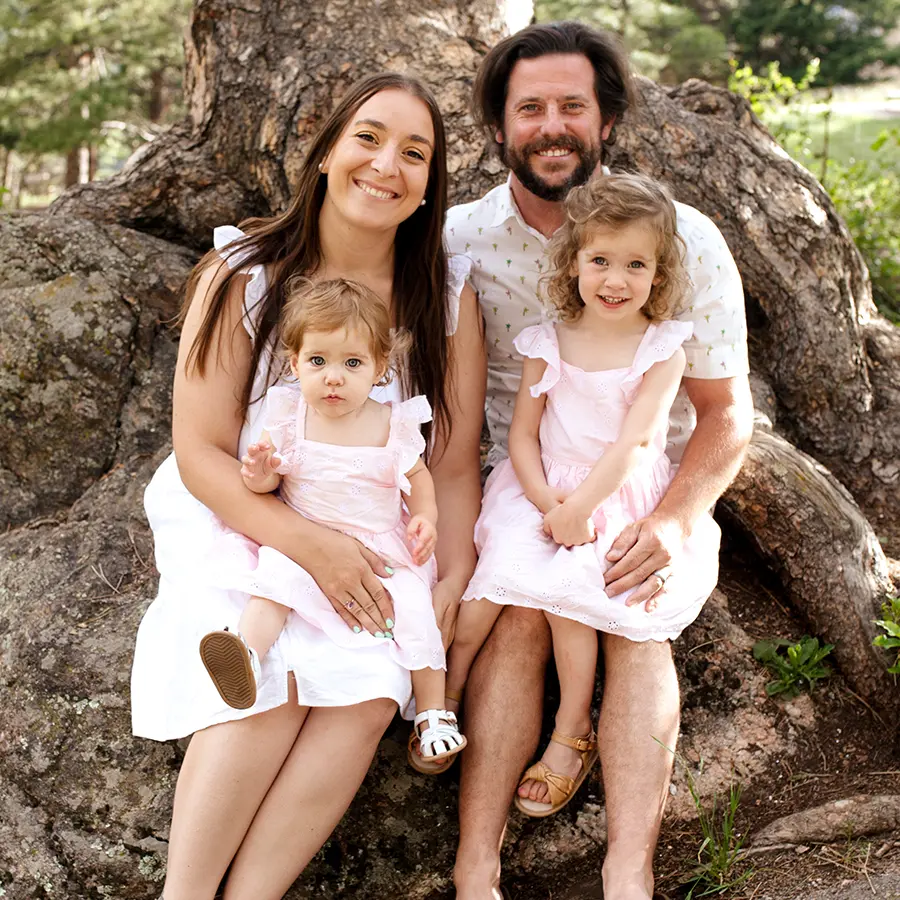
[[569, 525], [640, 550]]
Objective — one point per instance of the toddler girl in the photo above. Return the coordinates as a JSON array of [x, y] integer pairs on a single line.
[[342, 459], [587, 457]]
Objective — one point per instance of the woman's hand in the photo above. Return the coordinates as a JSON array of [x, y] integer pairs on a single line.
[[569, 525], [445, 597], [421, 535], [345, 571]]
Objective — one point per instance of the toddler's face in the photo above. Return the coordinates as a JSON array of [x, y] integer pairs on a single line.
[[336, 370], [616, 270]]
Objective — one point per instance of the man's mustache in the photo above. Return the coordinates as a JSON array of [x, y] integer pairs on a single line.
[[563, 142]]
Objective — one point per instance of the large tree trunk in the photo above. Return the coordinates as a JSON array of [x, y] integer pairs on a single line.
[[86, 362], [261, 77]]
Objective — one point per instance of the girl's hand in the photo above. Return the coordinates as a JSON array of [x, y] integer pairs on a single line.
[[345, 571], [569, 525], [422, 537], [550, 498], [259, 464]]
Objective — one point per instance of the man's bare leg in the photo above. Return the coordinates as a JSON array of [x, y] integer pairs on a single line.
[[638, 729], [504, 700]]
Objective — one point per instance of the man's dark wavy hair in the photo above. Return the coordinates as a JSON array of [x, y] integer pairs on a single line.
[[613, 83]]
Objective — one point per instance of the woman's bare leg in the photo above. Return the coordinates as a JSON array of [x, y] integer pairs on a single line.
[[319, 778], [226, 773]]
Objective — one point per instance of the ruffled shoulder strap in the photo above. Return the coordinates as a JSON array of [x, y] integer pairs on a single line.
[[660, 341], [227, 239], [283, 416], [459, 267], [406, 435], [540, 342]]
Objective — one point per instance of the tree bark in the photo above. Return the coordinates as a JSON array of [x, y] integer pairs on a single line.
[[259, 80], [812, 533]]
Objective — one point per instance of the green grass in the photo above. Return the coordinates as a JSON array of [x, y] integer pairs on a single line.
[[850, 137]]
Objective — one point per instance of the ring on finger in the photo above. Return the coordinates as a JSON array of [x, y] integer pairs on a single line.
[[662, 573], [350, 604]]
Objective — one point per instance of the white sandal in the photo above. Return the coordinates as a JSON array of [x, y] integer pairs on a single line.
[[233, 667], [441, 738]]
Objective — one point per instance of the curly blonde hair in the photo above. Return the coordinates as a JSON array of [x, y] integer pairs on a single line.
[[612, 201], [341, 304]]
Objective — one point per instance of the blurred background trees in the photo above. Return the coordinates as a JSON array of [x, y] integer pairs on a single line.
[[83, 83]]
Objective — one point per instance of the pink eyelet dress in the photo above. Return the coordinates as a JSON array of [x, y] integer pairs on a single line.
[[356, 490], [521, 566]]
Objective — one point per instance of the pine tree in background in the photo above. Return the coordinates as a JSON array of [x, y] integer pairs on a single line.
[[846, 36], [669, 42], [75, 67]]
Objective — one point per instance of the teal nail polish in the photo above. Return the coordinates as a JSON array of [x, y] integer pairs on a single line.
[[388, 635], [356, 629], [379, 634], [389, 570], [389, 623]]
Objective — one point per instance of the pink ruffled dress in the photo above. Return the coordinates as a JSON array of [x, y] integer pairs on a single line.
[[356, 490], [519, 565]]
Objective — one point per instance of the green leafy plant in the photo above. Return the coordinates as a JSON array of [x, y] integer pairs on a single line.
[[867, 195], [890, 624], [800, 666], [718, 859]]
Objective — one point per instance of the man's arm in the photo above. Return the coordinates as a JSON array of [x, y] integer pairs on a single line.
[[711, 459]]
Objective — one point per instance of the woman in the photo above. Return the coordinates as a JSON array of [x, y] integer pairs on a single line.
[[263, 788]]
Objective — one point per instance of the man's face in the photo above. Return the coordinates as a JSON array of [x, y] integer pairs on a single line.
[[552, 125]]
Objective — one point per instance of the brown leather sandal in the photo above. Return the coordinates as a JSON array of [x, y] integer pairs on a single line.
[[419, 762], [561, 788]]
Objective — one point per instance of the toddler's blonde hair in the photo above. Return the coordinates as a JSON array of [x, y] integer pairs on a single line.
[[340, 303], [611, 201]]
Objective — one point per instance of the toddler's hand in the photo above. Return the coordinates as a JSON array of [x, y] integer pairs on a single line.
[[259, 463], [569, 526], [422, 537]]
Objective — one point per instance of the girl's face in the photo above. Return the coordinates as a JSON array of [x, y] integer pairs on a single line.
[[378, 168], [336, 370], [616, 270]]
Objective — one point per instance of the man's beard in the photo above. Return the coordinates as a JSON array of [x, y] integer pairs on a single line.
[[517, 159]]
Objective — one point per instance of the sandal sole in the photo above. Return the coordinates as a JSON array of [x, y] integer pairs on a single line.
[[418, 762], [542, 810], [228, 664]]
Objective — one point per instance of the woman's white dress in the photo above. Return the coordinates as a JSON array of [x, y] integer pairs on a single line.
[[171, 693]]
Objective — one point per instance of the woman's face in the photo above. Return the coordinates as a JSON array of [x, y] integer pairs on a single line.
[[378, 168]]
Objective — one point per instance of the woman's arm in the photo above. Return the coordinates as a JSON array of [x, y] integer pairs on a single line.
[[524, 438], [206, 427], [456, 466], [648, 416]]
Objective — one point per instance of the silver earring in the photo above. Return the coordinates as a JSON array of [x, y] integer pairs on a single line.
[[320, 166], [423, 202]]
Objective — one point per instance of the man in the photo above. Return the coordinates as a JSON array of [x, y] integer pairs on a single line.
[[551, 96]]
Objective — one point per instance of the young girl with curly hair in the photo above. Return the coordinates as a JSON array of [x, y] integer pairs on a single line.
[[587, 457]]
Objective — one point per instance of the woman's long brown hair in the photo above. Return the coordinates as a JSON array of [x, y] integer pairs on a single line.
[[289, 245]]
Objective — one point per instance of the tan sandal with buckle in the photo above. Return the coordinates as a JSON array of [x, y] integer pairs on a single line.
[[560, 787], [420, 763]]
